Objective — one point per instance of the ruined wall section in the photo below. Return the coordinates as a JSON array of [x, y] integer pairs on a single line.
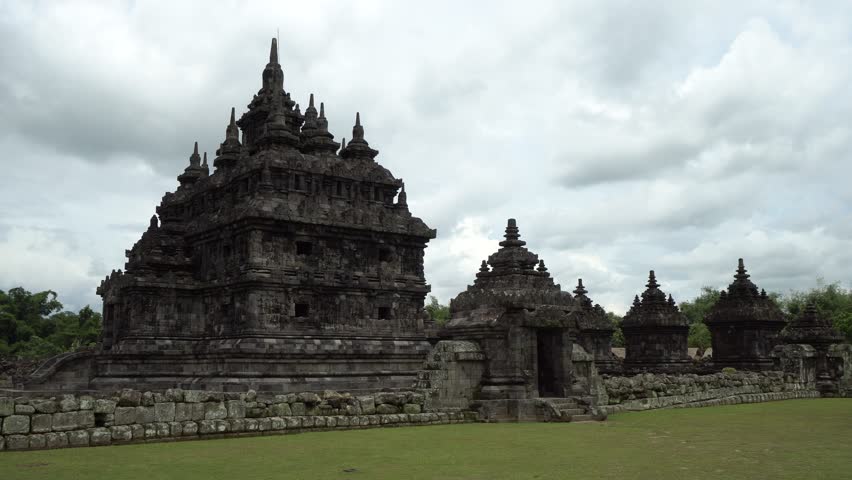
[[131, 416]]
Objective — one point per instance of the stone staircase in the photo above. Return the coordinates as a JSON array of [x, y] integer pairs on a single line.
[[576, 409]]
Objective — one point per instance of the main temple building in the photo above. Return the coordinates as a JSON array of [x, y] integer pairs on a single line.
[[294, 260]]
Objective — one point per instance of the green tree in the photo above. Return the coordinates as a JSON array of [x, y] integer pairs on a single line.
[[34, 325], [439, 313], [695, 311], [617, 335]]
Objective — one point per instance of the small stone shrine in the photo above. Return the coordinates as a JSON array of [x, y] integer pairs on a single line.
[[655, 332], [814, 349], [522, 321], [596, 331], [744, 325], [294, 265]]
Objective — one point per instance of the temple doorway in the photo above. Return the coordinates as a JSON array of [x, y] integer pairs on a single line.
[[549, 343]]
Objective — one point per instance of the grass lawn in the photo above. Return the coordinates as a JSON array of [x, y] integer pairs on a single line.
[[800, 439]]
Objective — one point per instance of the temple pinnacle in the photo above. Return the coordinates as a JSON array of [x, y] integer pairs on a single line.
[[273, 51], [311, 101], [322, 108], [195, 149], [357, 119], [233, 117], [652, 280]]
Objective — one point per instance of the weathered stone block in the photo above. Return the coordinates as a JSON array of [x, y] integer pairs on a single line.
[[298, 408], [206, 427], [17, 442], [189, 428], [264, 424], [164, 412], [236, 409], [163, 429], [14, 424], [37, 441], [236, 425], [44, 405], [100, 436], [145, 414], [121, 433], [7, 406], [411, 408], [175, 429], [280, 409], [251, 396], [215, 411], [387, 409], [56, 439], [86, 402], [129, 398], [68, 403], [42, 422], [2, 443], [150, 431], [174, 395], [278, 423], [104, 406], [292, 422], [309, 398], [148, 399], [125, 415], [21, 409], [390, 398], [368, 404], [251, 424], [78, 438], [137, 431]]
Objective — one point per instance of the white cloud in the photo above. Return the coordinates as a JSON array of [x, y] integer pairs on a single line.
[[622, 137]]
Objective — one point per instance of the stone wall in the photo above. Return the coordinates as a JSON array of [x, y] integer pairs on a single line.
[[130, 416], [650, 391]]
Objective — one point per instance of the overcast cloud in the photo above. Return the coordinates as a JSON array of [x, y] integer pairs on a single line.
[[670, 135]]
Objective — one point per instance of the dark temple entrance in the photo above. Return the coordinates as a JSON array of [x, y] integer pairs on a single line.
[[549, 349]]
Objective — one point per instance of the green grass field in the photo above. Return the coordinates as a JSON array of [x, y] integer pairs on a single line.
[[797, 439]]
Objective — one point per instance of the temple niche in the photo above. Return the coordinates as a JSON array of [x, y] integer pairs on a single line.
[[744, 325], [655, 332], [295, 264]]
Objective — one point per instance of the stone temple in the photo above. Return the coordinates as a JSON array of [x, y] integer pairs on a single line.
[[294, 265]]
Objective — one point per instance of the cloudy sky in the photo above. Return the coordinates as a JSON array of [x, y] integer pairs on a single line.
[[622, 135]]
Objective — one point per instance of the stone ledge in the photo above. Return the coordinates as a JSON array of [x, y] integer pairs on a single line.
[[682, 402]]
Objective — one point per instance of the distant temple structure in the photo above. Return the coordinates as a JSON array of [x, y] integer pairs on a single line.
[[294, 265], [655, 332], [744, 325]]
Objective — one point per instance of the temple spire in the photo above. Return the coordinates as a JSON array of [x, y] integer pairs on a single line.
[[741, 271], [541, 268], [512, 235], [195, 159], [652, 281], [580, 290], [402, 199], [154, 223], [273, 51], [358, 147]]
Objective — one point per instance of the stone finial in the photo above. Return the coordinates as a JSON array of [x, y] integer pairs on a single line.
[[763, 293], [741, 271], [343, 144], [322, 108], [484, 267], [273, 51], [195, 159], [652, 281], [232, 132], [402, 198], [512, 235], [298, 110], [581, 290], [357, 130], [154, 223], [541, 268], [671, 300]]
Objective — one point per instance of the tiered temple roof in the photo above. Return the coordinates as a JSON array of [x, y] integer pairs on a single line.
[[654, 309], [812, 328], [742, 303]]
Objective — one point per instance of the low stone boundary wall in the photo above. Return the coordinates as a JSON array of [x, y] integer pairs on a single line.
[[132, 417], [649, 391]]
